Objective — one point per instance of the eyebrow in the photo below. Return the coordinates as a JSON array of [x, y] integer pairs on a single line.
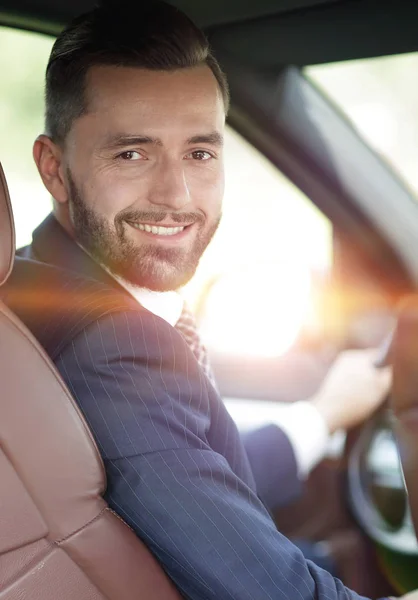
[[121, 140], [214, 139]]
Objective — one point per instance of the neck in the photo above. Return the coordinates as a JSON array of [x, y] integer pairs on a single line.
[[62, 216]]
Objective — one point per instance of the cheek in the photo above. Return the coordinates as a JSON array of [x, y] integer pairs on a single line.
[[208, 190], [109, 196], [217, 197]]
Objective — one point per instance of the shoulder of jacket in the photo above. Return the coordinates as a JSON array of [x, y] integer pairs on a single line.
[[56, 304]]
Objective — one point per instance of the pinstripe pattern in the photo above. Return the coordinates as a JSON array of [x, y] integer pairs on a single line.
[[177, 470], [277, 482], [269, 450]]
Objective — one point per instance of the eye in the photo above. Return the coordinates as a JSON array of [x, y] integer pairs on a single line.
[[130, 155], [200, 155]]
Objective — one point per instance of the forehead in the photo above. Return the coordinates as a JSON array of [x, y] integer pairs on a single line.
[[125, 97]]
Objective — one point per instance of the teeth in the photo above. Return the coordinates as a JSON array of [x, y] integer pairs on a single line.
[[158, 230]]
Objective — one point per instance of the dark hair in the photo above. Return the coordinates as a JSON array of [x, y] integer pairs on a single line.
[[156, 36]]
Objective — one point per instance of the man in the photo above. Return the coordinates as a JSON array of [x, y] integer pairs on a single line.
[[132, 156]]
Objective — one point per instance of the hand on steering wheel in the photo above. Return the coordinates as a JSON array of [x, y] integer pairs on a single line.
[[353, 389]]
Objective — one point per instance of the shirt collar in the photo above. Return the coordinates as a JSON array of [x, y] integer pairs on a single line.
[[166, 305]]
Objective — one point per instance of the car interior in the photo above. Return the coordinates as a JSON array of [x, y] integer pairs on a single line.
[[56, 530], [289, 64]]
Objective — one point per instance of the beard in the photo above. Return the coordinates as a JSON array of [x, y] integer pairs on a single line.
[[144, 265]]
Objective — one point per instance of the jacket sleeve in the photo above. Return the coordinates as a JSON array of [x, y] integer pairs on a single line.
[[273, 464], [176, 468]]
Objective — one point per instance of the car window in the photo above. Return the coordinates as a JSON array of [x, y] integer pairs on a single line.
[[23, 57], [261, 269], [271, 240], [380, 97]]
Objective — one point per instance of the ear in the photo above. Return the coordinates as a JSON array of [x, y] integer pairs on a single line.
[[48, 159]]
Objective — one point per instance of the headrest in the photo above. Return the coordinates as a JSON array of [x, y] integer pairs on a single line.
[[7, 230]]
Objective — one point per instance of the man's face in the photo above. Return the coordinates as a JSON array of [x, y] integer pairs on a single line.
[[144, 172]]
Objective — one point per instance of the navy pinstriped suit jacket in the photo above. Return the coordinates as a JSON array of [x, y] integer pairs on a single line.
[[177, 469]]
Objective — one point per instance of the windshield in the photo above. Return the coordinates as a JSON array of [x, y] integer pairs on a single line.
[[380, 97]]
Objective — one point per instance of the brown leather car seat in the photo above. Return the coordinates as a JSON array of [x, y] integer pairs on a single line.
[[58, 538]]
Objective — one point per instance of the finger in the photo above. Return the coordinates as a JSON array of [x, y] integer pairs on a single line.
[[378, 355], [385, 377]]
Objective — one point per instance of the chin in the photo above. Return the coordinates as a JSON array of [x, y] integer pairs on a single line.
[[160, 278]]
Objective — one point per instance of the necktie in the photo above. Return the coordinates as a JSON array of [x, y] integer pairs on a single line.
[[187, 326]]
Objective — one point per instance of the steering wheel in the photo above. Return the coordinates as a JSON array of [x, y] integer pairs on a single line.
[[377, 490], [376, 486]]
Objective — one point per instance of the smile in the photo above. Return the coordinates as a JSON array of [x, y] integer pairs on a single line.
[[158, 230]]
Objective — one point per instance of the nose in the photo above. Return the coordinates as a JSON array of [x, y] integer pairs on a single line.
[[170, 189]]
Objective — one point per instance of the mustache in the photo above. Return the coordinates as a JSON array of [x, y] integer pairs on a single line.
[[157, 217]]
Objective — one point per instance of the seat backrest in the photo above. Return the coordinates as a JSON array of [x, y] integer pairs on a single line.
[[58, 538]]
